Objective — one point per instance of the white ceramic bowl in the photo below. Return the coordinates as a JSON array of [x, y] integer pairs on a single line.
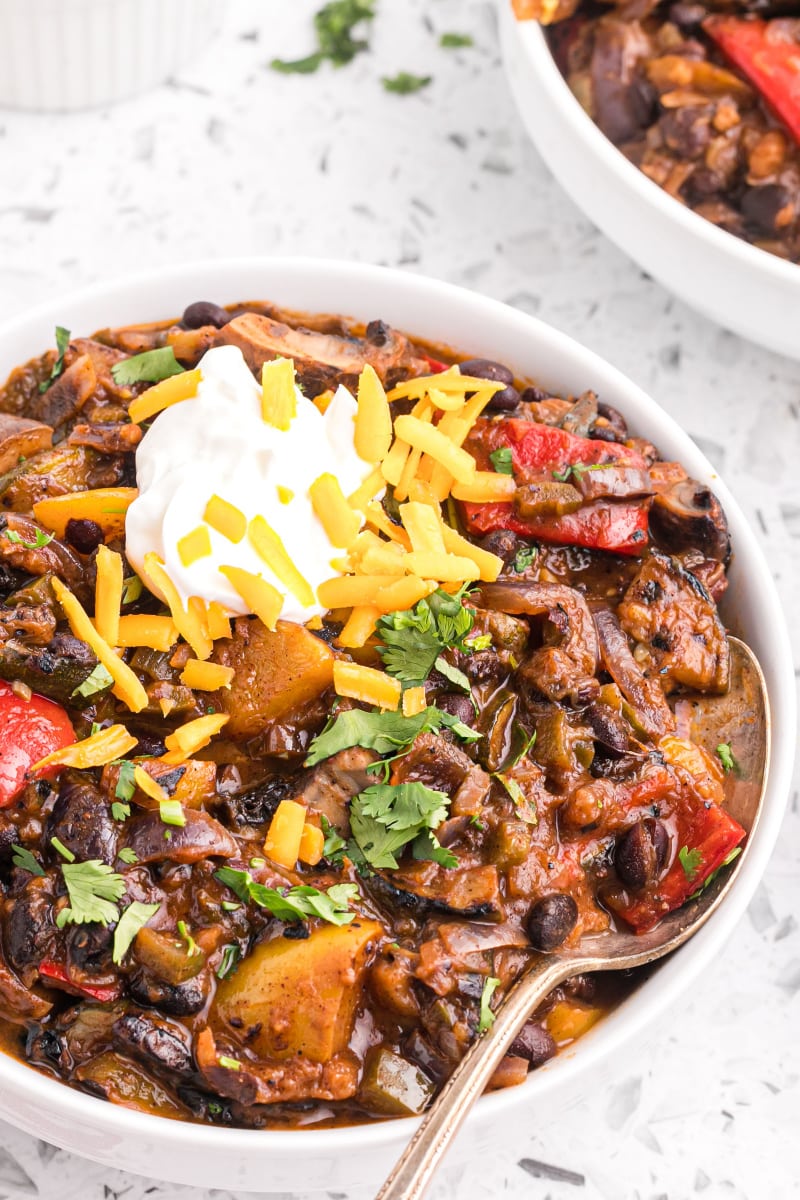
[[338, 1158], [754, 293], [59, 55]]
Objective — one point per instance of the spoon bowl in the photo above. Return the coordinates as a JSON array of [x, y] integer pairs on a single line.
[[739, 718]]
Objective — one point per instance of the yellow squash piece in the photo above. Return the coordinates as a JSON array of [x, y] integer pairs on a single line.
[[373, 433], [108, 594], [193, 736], [431, 440], [164, 394], [95, 751], [339, 520], [269, 547], [141, 629], [282, 843], [366, 684], [190, 627], [226, 518], [312, 844], [105, 506], [127, 686], [194, 546], [278, 395], [206, 676], [299, 997]]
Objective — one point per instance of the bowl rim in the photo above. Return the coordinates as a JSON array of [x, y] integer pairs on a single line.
[[675, 974], [534, 42]]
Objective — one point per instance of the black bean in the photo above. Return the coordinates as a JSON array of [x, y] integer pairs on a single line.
[[83, 535], [609, 729], [641, 853], [551, 920], [204, 312], [458, 705], [503, 543], [486, 368], [582, 987], [505, 401], [534, 1043], [762, 205], [377, 333], [615, 428], [534, 395]]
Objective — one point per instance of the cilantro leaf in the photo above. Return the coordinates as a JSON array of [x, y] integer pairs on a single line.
[[97, 681], [408, 654], [385, 818], [427, 847], [127, 855], [502, 461], [334, 25], [150, 367], [487, 1017], [385, 732], [134, 917], [414, 639], [691, 861], [126, 782], [726, 862], [452, 674], [296, 904], [42, 539], [725, 756], [62, 342], [20, 857], [404, 83], [334, 846], [455, 41], [131, 589], [523, 558], [93, 889]]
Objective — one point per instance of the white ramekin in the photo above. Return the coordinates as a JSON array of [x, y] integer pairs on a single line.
[[339, 1159], [752, 292], [57, 55]]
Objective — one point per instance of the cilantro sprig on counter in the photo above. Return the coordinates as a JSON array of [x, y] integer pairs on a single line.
[[404, 83], [335, 26], [414, 641]]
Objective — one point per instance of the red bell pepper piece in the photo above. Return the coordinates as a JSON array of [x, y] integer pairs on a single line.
[[57, 973], [768, 56], [436, 367], [29, 730], [707, 838], [615, 525], [619, 526]]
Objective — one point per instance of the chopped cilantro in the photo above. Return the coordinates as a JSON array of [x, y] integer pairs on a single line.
[[120, 811], [691, 861], [20, 857], [232, 1064], [481, 641], [404, 83], [62, 342], [42, 539], [452, 674], [523, 558], [93, 890], [97, 681], [150, 367], [414, 639], [192, 948], [334, 24], [134, 917], [576, 470], [66, 853], [502, 461], [386, 732], [385, 818], [487, 1017], [725, 756], [455, 41], [127, 855], [296, 904], [334, 846], [126, 783], [726, 862], [231, 955]]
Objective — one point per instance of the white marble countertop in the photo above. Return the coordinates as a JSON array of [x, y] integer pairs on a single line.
[[232, 159]]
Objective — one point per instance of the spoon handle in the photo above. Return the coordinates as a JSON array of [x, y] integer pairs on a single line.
[[420, 1159]]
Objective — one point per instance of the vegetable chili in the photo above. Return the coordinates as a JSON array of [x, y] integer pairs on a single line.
[[268, 873]]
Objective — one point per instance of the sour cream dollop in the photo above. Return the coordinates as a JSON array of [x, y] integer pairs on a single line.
[[218, 443]]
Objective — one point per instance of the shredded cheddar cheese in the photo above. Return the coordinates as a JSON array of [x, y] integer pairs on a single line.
[[141, 629], [127, 687], [206, 676], [95, 751], [194, 545], [193, 736], [339, 519], [226, 518], [269, 547], [163, 395], [278, 395], [148, 785], [373, 432], [108, 594], [190, 628], [285, 833], [258, 594]]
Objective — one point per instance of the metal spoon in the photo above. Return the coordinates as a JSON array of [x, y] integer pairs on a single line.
[[741, 717]]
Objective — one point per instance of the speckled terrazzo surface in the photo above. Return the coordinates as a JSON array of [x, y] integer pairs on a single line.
[[231, 159]]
